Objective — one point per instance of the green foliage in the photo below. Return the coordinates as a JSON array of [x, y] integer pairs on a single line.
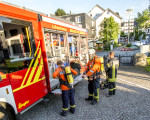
[[60, 12], [129, 45], [147, 68], [99, 48], [115, 44], [109, 29], [148, 61], [139, 33], [143, 19], [123, 34]]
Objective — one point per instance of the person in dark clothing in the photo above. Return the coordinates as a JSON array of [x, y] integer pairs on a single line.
[[111, 73], [67, 91]]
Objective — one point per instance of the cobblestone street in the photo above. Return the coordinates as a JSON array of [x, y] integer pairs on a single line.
[[131, 102]]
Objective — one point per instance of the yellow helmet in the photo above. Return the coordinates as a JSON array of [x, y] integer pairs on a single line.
[[91, 54]]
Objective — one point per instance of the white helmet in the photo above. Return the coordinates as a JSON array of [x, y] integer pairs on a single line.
[[91, 54]]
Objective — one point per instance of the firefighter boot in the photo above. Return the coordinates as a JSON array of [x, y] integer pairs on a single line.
[[72, 110], [89, 98], [63, 113], [94, 102], [114, 92]]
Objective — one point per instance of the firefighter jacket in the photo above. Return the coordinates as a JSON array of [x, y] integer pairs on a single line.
[[93, 68], [59, 72], [111, 69]]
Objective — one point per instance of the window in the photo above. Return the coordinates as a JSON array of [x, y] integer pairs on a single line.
[[14, 46], [78, 19], [13, 32]]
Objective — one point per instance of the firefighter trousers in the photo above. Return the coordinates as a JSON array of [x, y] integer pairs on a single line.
[[68, 96], [112, 88], [93, 88]]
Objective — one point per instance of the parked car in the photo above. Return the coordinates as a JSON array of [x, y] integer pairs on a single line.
[[126, 49], [133, 47]]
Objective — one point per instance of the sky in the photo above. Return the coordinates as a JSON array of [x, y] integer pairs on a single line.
[[83, 6]]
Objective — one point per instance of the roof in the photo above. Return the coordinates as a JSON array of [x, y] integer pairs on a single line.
[[111, 12], [98, 7], [114, 13]]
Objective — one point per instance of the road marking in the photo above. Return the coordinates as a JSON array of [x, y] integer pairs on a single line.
[[133, 84]]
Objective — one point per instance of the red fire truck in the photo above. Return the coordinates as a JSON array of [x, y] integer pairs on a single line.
[[30, 45]]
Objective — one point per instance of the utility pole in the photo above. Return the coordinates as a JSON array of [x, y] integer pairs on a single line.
[[129, 13]]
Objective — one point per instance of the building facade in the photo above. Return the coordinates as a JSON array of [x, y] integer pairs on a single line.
[[98, 14], [85, 21]]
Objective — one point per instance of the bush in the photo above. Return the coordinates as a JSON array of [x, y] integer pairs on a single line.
[[99, 48], [147, 68], [128, 45], [115, 45]]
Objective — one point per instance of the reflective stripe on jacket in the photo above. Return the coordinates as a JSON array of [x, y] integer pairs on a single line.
[[93, 66]]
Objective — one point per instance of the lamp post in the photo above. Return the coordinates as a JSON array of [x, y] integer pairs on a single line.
[[129, 13]]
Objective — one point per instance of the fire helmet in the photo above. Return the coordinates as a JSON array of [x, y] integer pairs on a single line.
[[91, 54]]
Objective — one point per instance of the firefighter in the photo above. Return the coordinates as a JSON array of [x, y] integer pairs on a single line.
[[111, 73], [67, 90], [92, 70]]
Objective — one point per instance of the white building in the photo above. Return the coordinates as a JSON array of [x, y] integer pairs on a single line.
[[127, 26], [98, 14]]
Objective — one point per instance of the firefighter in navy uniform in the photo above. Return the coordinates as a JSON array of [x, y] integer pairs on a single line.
[[111, 73], [67, 90], [92, 70]]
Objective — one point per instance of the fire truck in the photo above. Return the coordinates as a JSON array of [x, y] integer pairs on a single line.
[[30, 45]]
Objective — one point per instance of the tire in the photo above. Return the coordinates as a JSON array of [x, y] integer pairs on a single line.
[[3, 114], [6, 114]]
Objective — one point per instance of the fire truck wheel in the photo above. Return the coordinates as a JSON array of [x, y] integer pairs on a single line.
[[3, 114], [6, 114]]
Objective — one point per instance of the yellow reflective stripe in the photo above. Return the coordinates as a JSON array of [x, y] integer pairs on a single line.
[[38, 73], [110, 89], [28, 41], [28, 85], [65, 109], [97, 97], [91, 94], [30, 65], [108, 65], [114, 88], [73, 106], [113, 71], [34, 68], [112, 80]]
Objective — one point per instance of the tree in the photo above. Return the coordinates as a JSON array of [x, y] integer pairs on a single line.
[[60, 12], [123, 34], [109, 29], [143, 19]]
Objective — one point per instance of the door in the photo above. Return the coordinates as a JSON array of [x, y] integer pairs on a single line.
[[24, 62]]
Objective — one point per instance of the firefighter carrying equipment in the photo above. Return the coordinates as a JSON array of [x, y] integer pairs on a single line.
[[111, 71], [60, 72], [93, 68]]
